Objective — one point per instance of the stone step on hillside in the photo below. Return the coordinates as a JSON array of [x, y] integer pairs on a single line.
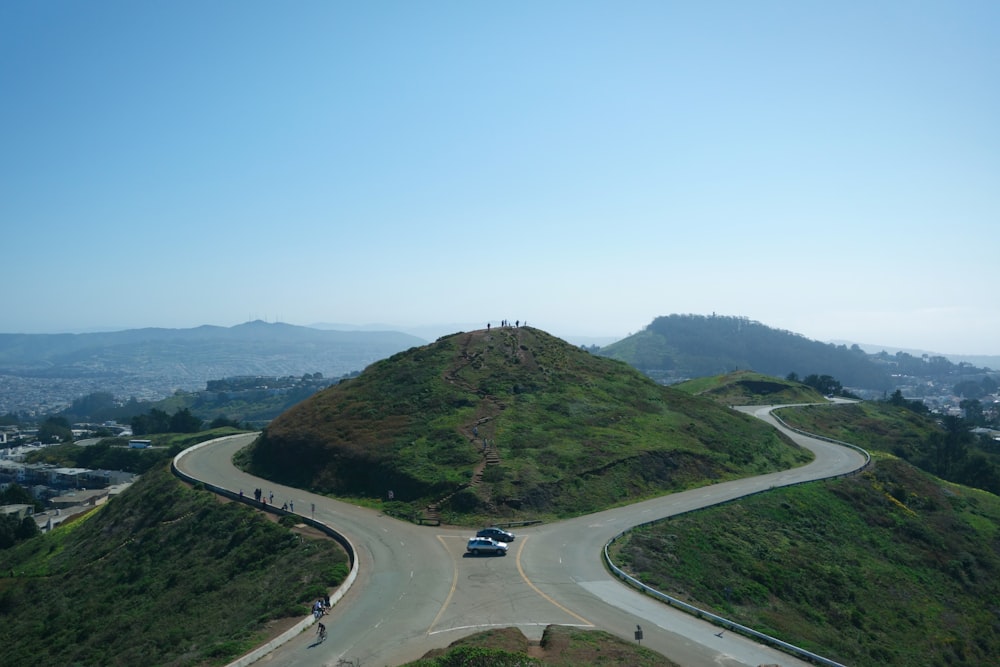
[[432, 514], [492, 456]]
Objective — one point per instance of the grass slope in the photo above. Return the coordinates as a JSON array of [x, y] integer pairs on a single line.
[[873, 425], [572, 432], [161, 575], [943, 446], [890, 567], [749, 388]]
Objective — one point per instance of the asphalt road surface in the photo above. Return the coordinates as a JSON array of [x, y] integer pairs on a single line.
[[417, 589]]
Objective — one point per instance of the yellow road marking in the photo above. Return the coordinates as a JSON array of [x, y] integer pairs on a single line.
[[535, 588], [454, 585], [520, 570]]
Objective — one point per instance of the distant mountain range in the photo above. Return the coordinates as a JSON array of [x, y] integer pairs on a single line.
[[206, 351], [52, 369], [978, 360], [45, 372]]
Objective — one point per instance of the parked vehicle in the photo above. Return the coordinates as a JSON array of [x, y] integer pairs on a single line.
[[498, 534], [485, 545]]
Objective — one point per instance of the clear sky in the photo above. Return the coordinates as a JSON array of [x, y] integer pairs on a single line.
[[831, 168]]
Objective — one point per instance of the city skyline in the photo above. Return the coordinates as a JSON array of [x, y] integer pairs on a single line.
[[584, 166]]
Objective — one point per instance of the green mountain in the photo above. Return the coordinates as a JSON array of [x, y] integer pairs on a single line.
[[679, 347], [510, 422]]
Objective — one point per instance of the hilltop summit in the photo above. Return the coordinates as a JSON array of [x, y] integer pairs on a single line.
[[510, 421]]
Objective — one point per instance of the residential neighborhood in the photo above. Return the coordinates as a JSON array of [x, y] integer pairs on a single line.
[[65, 492]]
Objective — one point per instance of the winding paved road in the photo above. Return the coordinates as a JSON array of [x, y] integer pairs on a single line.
[[417, 590]]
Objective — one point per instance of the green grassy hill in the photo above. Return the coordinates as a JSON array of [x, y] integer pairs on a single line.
[[510, 422], [749, 388], [876, 426], [161, 575]]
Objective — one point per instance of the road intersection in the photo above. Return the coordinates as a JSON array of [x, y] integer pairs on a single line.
[[417, 589]]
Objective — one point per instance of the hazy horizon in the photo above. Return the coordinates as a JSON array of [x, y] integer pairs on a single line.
[[432, 331], [829, 170]]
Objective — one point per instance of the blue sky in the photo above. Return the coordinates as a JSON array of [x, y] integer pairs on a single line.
[[832, 169]]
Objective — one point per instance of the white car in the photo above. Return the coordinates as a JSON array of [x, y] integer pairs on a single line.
[[486, 545]]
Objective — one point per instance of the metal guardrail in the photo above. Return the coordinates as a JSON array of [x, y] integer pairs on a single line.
[[733, 626], [517, 524], [860, 450]]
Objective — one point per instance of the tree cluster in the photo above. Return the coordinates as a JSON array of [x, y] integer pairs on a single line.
[[158, 421], [973, 389], [14, 530], [913, 406], [55, 429], [15, 494], [959, 456], [955, 453]]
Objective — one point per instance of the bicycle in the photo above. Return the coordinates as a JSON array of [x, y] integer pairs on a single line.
[[321, 632]]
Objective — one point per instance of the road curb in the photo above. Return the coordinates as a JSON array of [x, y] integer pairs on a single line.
[[300, 627]]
